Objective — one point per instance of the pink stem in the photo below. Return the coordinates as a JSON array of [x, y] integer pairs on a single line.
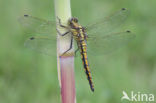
[[67, 79]]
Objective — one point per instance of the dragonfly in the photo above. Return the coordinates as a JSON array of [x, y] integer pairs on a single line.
[[96, 38]]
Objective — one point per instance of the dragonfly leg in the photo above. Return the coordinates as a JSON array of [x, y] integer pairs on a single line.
[[71, 45], [76, 50], [86, 36], [63, 33], [60, 23]]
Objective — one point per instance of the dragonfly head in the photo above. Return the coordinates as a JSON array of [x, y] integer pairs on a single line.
[[74, 20], [73, 23]]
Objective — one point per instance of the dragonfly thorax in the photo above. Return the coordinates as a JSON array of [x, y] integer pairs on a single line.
[[77, 30]]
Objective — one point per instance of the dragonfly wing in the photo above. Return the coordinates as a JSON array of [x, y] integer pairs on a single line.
[[36, 25], [43, 44], [108, 24], [100, 45]]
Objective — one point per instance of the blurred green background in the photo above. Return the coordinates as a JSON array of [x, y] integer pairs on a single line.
[[30, 77]]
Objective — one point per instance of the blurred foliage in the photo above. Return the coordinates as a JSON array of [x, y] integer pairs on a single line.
[[30, 77]]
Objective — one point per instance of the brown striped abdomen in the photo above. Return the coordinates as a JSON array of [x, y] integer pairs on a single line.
[[83, 50]]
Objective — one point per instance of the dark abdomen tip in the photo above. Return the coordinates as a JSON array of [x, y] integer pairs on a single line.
[[92, 89]]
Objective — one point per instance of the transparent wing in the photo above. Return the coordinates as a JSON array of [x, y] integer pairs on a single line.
[[43, 34], [43, 44], [99, 45], [108, 24], [36, 25]]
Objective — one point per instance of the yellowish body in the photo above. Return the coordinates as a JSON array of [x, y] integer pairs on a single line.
[[79, 34]]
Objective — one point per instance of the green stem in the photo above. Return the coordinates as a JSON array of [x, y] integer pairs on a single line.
[[65, 63]]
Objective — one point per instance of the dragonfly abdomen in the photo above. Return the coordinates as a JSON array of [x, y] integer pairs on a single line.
[[83, 50]]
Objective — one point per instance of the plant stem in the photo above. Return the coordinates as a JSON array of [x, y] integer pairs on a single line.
[[65, 63]]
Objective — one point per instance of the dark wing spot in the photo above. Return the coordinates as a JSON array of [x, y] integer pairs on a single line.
[[123, 9], [32, 38], [128, 31], [26, 15]]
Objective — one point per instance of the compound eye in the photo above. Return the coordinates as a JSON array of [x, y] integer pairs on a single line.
[[76, 20], [83, 29]]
